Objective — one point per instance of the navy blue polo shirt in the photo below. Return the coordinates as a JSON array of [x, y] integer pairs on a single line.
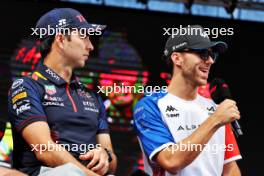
[[75, 115]]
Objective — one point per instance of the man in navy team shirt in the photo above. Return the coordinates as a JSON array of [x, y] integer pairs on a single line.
[[56, 120]]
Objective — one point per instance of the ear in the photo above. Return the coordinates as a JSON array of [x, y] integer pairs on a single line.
[[59, 39], [176, 58]]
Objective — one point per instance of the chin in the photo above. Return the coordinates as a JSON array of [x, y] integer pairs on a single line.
[[80, 65], [204, 82], [201, 82]]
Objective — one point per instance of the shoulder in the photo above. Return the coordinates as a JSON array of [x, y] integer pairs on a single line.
[[149, 103], [24, 86], [151, 100], [30, 81], [22, 83], [206, 101]]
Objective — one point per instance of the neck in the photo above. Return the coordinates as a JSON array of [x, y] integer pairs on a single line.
[[56, 62], [182, 88]]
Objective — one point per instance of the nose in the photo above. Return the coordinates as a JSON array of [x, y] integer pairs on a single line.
[[210, 60], [89, 45]]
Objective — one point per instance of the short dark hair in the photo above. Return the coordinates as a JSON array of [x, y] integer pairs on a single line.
[[169, 63], [45, 46]]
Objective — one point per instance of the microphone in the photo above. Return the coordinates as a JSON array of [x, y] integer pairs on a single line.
[[220, 91]]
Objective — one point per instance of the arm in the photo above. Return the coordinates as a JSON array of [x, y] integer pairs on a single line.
[[231, 169], [99, 158], [39, 133], [10, 172], [174, 160]]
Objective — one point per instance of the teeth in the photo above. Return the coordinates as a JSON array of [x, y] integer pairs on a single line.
[[204, 69]]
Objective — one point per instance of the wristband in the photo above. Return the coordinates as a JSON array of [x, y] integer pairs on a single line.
[[109, 153]]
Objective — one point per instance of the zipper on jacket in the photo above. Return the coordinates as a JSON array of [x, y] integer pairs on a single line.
[[70, 97]]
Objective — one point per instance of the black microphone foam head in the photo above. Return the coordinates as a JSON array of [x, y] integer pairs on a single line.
[[219, 90]]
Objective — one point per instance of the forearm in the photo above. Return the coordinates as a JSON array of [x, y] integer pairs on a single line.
[[175, 159], [10, 172], [231, 169], [232, 173], [4, 170], [60, 156]]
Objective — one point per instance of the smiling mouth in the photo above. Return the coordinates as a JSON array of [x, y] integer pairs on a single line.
[[205, 71]]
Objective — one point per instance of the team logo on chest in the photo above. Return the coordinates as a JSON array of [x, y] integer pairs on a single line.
[[84, 94], [211, 110], [171, 112], [90, 106], [50, 89]]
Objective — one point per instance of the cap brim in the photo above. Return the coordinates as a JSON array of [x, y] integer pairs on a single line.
[[218, 46], [94, 26], [101, 26]]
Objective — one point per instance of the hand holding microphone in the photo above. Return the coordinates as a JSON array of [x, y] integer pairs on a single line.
[[227, 110]]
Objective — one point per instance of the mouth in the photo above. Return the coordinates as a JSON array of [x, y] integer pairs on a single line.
[[86, 56], [204, 72]]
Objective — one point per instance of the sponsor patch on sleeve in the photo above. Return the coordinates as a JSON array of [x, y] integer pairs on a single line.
[[19, 96], [17, 83]]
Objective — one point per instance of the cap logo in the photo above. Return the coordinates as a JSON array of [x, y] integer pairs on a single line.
[[179, 45], [204, 34], [62, 22], [166, 52], [80, 18]]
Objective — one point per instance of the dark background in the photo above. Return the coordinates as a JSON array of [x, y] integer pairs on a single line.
[[241, 67]]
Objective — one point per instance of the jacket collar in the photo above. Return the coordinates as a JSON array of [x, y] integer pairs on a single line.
[[54, 77]]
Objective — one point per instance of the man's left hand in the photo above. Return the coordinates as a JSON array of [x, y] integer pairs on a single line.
[[99, 160]]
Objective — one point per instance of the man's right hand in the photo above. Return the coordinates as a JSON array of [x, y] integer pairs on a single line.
[[226, 112]]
